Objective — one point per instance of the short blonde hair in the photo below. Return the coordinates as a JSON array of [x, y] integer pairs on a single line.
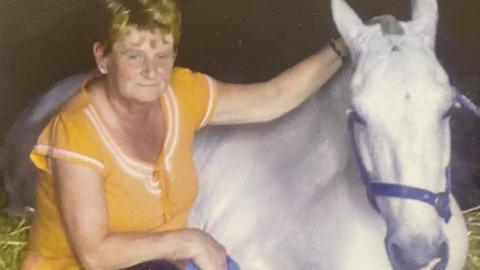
[[149, 14]]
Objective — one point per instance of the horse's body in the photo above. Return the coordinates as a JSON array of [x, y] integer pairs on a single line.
[[19, 172], [290, 194]]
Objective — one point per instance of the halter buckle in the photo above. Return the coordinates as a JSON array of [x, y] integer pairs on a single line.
[[442, 205]]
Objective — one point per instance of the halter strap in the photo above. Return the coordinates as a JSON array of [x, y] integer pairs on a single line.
[[440, 201], [467, 104]]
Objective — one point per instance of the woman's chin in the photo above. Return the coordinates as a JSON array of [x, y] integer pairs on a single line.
[[149, 94]]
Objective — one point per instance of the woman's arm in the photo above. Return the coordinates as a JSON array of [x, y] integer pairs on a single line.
[[83, 206], [266, 101]]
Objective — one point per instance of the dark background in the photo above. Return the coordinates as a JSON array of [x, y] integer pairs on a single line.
[[43, 41]]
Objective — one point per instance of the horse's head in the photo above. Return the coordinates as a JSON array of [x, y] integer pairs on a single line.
[[399, 120]]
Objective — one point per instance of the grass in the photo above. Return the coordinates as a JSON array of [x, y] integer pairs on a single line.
[[13, 239], [473, 223]]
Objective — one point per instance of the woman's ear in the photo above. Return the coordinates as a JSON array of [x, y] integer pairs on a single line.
[[100, 57]]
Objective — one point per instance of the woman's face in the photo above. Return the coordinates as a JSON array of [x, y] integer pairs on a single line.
[[140, 65]]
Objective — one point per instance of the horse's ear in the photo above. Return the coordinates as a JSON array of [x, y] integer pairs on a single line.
[[425, 18], [348, 23]]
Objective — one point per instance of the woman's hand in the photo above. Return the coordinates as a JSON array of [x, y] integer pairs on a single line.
[[205, 251]]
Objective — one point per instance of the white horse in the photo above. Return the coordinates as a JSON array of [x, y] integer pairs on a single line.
[[292, 194]]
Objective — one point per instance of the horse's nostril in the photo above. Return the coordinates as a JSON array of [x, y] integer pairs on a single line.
[[397, 252], [401, 257], [413, 257], [442, 250], [442, 253]]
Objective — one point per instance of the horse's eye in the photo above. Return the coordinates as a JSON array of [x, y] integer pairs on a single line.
[[357, 118]]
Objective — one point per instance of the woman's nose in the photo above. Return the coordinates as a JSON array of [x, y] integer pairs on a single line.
[[150, 70]]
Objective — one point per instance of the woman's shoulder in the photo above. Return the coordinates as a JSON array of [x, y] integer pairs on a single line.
[[195, 92], [183, 76], [185, 80], [73, 134], [181, 72]]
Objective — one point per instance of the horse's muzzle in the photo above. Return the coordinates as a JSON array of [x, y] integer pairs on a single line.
[[417, 254]]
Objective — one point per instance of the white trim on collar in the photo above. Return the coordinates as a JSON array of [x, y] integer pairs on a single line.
[[139, 169], [132, 167], [173, 114]]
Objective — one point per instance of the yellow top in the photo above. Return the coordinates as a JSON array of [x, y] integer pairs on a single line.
[[140, 196]]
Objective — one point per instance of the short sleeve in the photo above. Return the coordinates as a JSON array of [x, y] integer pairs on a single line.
[[68, 140], [198, 93]]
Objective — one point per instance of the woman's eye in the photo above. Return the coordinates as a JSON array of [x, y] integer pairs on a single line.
[[133, 55], [163, 56]]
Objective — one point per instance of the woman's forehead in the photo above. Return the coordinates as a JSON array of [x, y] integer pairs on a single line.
[[133, 36]]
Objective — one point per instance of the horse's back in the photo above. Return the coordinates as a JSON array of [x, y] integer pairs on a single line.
[[19, 172]]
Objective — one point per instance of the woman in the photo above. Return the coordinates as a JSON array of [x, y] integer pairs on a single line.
[[116, 177]]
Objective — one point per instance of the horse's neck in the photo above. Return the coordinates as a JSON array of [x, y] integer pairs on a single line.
[[334, 141], [334, 100]]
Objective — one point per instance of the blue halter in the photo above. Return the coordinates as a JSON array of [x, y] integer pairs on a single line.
[[440, 201]]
